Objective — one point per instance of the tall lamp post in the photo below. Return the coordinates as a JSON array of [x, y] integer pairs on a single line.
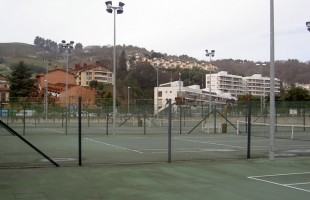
[[210, 55], [118, 10], [308, 26], [46, 87], [263, 85], [272, 84], [67, 46], [157, 92]]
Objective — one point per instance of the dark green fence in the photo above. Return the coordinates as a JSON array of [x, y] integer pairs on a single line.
[[140, 136]]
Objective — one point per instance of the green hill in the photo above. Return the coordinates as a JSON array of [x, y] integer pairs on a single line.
[[290, 71]]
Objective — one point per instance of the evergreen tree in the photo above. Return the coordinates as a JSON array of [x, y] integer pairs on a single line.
[[122, 65], [21, 84]]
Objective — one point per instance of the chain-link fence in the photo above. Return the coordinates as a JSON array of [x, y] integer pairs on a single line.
[[139, 135]]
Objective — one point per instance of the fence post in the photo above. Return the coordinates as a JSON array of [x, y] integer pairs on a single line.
[[214, 113], [80, 130], [304, 118], [249, 130], [180, 109], [169, 130]]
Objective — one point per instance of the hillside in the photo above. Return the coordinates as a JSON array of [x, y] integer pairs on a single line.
[[289, 71]]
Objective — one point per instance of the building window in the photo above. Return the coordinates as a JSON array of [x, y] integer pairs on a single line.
[[160, 94]]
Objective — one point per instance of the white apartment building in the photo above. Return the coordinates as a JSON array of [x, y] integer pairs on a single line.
[[258, 85], [222, 82]]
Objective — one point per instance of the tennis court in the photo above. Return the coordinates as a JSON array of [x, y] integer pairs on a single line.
[[192, 158], [283, 179], [131, 145]]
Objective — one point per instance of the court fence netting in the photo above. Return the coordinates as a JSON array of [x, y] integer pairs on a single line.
[[36, 135]]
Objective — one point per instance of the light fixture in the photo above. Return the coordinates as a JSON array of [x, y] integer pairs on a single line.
[[308, 25], [109, 6], [210, 53]]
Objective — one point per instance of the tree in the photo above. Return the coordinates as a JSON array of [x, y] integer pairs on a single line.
[[78, 46], [21, 83], [297, 94], [122, 65]]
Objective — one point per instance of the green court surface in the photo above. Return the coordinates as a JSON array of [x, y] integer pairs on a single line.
[[283, 179]]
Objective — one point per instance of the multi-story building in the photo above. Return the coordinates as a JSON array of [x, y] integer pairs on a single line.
[[55, 83], [88, 73], [258, 85], [222, 82], [4, 91]]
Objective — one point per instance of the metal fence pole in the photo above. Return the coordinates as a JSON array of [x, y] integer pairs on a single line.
[[249, 130], [169, 130], [80, 131]]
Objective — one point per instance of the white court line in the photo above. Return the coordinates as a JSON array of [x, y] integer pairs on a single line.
[[187, 150], [257, 178], [306, 183], [113, 145], [225, 145], [49, 129]]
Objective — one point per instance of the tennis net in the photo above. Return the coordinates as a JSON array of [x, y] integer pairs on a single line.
[[282, 131]]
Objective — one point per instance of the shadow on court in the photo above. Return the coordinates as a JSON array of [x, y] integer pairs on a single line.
[[282, 179]]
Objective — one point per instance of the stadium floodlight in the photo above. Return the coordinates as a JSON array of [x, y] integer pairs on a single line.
[[308, 26], [67, 46], [118, 10], [210, 55]]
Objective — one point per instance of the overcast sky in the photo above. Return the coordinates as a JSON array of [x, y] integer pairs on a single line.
[[237, 29]]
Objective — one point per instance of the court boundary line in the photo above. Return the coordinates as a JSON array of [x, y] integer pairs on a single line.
[[259, 178], [203, 142], [112, 145], [53, 130]]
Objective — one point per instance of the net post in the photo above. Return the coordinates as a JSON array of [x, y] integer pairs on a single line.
[[292, 135], [237, 127], [80, 130]]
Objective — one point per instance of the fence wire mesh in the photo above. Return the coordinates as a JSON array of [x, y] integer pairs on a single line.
[[140, 135]]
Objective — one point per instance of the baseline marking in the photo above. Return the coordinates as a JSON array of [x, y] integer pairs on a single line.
[[49, 129], [257, 178], [112, 145]]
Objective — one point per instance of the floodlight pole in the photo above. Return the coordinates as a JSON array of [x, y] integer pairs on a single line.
[[157, 92], [118, 10], [210, 55], [272, 84], [67, 46], [263, 85]]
